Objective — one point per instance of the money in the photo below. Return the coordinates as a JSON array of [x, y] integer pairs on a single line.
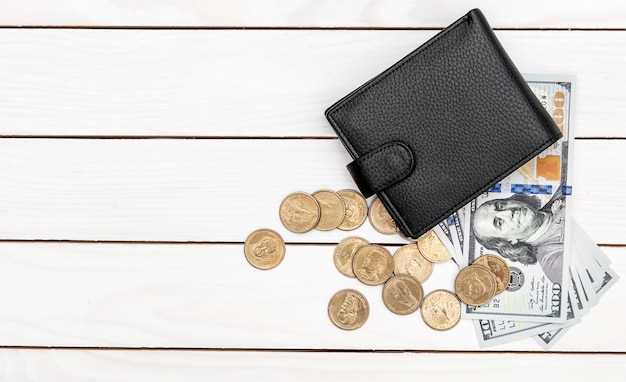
[[380, 219], [372, 264], [432, 248], [403, 294], [348, 309], [409, 260], [299, 212], [499, 268], [264, 249], [404, 236], [524, 220], [332, 209], [344, 253], [581, 298], [510, 294], [355, 210], [441, 310], [475, 285]]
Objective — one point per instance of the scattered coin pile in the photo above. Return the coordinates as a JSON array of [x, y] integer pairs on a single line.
[[401, 274]]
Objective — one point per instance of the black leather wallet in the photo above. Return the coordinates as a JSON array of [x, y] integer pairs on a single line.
[[441, 125]]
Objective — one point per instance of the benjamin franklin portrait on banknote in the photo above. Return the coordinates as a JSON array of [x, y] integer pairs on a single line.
[[522, 230]]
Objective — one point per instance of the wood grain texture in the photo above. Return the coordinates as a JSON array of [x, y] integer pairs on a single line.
[[266, 83], [191, 366], [220, 190], [310, 13], [252, 82], [208, 296]]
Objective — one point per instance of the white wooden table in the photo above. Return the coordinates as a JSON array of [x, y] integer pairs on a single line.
[[141, 142]]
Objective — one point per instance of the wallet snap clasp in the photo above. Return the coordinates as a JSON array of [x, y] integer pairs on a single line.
[[382, 167]]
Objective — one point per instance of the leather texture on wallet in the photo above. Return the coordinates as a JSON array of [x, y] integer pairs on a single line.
[[441, 126]]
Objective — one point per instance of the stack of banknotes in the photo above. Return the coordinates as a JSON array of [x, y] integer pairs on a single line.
[[557, 272]]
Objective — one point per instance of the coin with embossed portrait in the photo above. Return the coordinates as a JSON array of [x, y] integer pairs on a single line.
[[356, 210], [380, 218], [403, 294], [299, 212], [344, 253], [332, 209], [498, 266], [264, 248], [475, 285], [441, 310], [409, 260], [432, 247], [372, 264], [348, 309]]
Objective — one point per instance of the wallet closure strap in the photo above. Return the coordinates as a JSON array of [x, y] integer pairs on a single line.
[[381, 167]]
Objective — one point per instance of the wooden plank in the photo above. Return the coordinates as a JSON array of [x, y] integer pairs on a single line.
[[208, 296], [190, 366], [216, 190], [307, 13], [252, 82]]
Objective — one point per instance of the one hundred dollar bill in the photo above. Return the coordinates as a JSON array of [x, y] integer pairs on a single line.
[[524, 219], [587, 250], [443, 230], [492, 332]]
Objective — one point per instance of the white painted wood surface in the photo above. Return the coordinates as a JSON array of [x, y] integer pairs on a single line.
[[77, 82], [310, 13], [157, 366], [220, 190], [113, 247]]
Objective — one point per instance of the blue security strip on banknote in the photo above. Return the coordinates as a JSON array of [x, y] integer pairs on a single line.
[[527, 223], [532, 189]]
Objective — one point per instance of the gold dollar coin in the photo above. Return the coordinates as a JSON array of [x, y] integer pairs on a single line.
[[499, 268], [441, 310], [475, 285], [403, 294], [356, 210], [409, 260], [299, 212], [405, 237], [264, 248], [348, 309], [332, 209], [432, 248], [344, 253], [380, 218], [372, 264]]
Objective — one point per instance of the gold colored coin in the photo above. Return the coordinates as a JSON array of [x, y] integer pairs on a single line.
[[264, 249], [356, 210], [380, 218], [299, 212], [475, 285], [348, 309], [498, 266], [409, 260], [344, 253], [405, 237], [403, 294], [332, 209], [372, 264], [432, 248], [441, 310]]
